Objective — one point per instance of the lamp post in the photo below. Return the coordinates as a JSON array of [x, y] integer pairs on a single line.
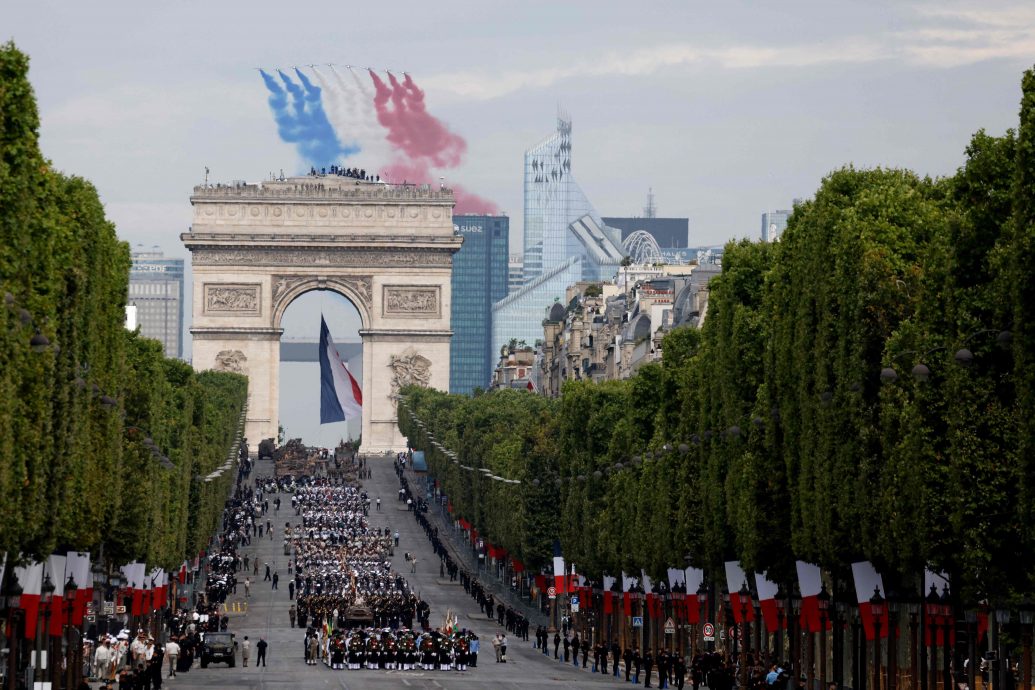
[[947, 623], [702, 606], [778, 635], [932, 609], [823, 600], [72, 666], [893, 610], [12, 593], [745, 602], [877, 611], [1002, 619], [42, 634]]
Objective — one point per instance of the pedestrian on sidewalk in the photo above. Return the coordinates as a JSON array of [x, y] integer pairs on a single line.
[[276, 579], [267, 578], [262, 652], [172, 650], [291, 589], [413, 564], [379, 504], [247, 588], [396, 535], [556, 643], [246, 651], [291, 614], [497, 643]]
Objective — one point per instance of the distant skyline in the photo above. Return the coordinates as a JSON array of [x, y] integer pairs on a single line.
[[724, 109]]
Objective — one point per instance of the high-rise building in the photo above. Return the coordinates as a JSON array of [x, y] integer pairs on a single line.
[[156, 290], [669, 233], [773, 224], [565, 241], [479, 279], [515, 273]]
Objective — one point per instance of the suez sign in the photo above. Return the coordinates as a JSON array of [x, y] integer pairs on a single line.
[[468, 229], [148, 268]]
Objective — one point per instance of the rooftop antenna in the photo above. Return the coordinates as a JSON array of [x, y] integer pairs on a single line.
[[650, 210], [206, 175]]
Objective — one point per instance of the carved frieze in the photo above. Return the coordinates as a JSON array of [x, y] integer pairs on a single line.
[[321, 256], [231, 360], [415, 301], [236, 299], [360, 285], [409, 369]]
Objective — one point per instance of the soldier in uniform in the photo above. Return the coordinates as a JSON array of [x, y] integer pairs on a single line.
[[628, 657], [648, 666]]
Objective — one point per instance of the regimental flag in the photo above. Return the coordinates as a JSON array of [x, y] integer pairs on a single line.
[[77, 563], [867, 579], [30, 578], [340, 394]]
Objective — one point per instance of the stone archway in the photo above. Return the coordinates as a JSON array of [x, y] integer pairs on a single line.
[[387, 249]]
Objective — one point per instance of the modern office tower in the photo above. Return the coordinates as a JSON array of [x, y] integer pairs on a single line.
[[773, 224], [156, 290], [480, 278], [515, 273], [565, 241]]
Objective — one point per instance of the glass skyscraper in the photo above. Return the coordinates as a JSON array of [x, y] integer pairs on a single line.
[[773, 224], [156, 289], [479, 279], [565, 241]]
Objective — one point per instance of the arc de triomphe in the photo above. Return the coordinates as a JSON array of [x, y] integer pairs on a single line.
[[386, 248]]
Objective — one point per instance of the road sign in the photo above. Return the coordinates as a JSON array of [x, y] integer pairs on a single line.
[[575, 604], [670, 627], [733, 634], [637, 621], [709, 632], [551, 592], [109, 608]]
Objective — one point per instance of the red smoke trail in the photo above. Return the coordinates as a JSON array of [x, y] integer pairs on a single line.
[[422, 138], [420, 173]]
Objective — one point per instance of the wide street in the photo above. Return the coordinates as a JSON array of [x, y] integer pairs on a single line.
[[267, 615]]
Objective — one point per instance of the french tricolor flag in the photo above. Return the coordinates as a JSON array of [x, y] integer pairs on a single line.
[[77, 564], [868, 581], [559, 576], [810, 584], [340, 394]]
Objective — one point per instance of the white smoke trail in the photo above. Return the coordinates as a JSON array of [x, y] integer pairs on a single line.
[[354, 113], [336, 106]]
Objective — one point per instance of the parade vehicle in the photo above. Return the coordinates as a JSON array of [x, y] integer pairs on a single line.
[[218, 647]]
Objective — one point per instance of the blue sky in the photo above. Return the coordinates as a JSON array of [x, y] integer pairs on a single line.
[[724, 109]]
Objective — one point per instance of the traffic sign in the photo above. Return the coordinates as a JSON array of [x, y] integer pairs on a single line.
[[551, 592], [734, 633], [574, 603], [670, 627], [637, 621], [709, 632]]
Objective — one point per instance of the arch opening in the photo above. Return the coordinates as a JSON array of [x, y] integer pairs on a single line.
[[299, 395]]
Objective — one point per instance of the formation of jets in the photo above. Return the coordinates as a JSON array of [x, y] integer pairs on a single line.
[[331, 64]]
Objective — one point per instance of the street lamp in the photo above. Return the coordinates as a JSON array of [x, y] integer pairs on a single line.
[[702, 605], [778, 636], [932, 607], [71, 664], [893, 606], [46, 598], [823, 602], [744, 601], [971, 616], [877, 611]]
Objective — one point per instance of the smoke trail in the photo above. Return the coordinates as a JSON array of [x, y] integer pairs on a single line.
[[411, 129], [358, 117], [298, 112], [418, 172]]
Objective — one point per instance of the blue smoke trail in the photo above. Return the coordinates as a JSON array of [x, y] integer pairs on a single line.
[[301, 120]]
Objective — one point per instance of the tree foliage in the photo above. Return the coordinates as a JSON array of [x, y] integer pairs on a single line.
[[74, 472]]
